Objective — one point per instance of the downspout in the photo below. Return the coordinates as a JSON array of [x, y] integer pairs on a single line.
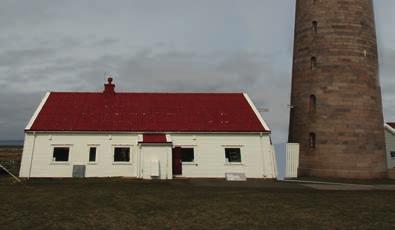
[[167, 165], [273, 158], [31, 160], [139, 161], [263, 155]]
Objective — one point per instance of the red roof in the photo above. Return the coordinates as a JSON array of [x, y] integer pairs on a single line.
[[392, 124], [147, 112], [154, 138]]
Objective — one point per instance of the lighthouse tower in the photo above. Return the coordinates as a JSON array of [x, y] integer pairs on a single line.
[[336, 108]]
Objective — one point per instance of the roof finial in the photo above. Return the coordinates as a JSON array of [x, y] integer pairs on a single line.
[[110, 79], [109, 87]]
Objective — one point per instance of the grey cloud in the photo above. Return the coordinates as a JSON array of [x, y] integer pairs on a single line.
[[16, 110], [12, 58], [387, 72], [173, 71], [105, 42], [189, 46]]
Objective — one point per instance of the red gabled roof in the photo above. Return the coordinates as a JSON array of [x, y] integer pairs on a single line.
[[147, 112], [154, 138], [391, 124]]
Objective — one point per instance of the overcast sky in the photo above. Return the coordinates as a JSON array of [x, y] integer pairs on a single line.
[[149, 45]]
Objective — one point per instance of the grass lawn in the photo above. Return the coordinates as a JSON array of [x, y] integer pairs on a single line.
[[136, 204]]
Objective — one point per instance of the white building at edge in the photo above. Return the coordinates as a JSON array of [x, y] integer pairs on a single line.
[[147, 135], [390, 145]]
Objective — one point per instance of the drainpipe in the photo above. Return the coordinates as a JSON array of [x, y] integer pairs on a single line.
[[263, 154], [31, 160], [139, 161]]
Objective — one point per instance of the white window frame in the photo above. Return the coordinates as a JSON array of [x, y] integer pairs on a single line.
[[69, 146], [131, 149], [241, 147]]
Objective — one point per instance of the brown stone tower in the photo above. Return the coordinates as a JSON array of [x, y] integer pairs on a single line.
[[336, 112]]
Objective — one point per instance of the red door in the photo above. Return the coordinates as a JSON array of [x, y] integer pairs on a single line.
[[177, 161]]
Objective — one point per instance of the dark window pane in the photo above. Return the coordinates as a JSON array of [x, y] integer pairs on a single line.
[[187, 154], [122, 154], [233, 154], [313, 103], [92, 154], [312, 140], [315, 26], [393, 154], [61, 154], [313, 63]]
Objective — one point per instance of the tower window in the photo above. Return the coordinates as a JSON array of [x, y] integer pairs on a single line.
[[312, 140], [313, 63], [315, 26], [313, 104]]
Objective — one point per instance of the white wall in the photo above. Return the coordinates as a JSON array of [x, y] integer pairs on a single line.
[[390, 145], [256, 154], [42, 165]]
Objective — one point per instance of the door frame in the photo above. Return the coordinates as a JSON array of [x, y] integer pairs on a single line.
[[176, 151]]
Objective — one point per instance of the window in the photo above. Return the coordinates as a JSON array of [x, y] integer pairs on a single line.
[[233, 155], [313, 104], [313, 63], [187, 154], [315, 26], [92, 154], [61, 154], [392, 154], [121, 154], [312, 140]]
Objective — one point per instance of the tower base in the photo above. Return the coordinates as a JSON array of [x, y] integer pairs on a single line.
[[391, 174], [344, 174]]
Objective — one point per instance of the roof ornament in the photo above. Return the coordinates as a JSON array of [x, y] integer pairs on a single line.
[[109, 87]]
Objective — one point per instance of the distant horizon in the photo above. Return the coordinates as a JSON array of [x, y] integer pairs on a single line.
[[11, 142]]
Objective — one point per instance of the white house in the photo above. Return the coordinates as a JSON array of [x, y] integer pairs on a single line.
[[146, 135], [390, 144]]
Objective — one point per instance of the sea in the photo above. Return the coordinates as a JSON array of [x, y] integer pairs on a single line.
[[11, 142]]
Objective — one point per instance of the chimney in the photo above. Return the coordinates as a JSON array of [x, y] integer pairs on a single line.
[[109, 87]]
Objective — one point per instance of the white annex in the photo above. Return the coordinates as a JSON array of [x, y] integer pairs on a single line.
[[147, 135], [390, 144]]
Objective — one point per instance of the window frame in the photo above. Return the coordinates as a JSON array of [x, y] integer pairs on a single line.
[[227, 162], [52, 161], [130, 147]]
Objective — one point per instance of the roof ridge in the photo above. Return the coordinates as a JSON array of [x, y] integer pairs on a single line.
[[137, 92]]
